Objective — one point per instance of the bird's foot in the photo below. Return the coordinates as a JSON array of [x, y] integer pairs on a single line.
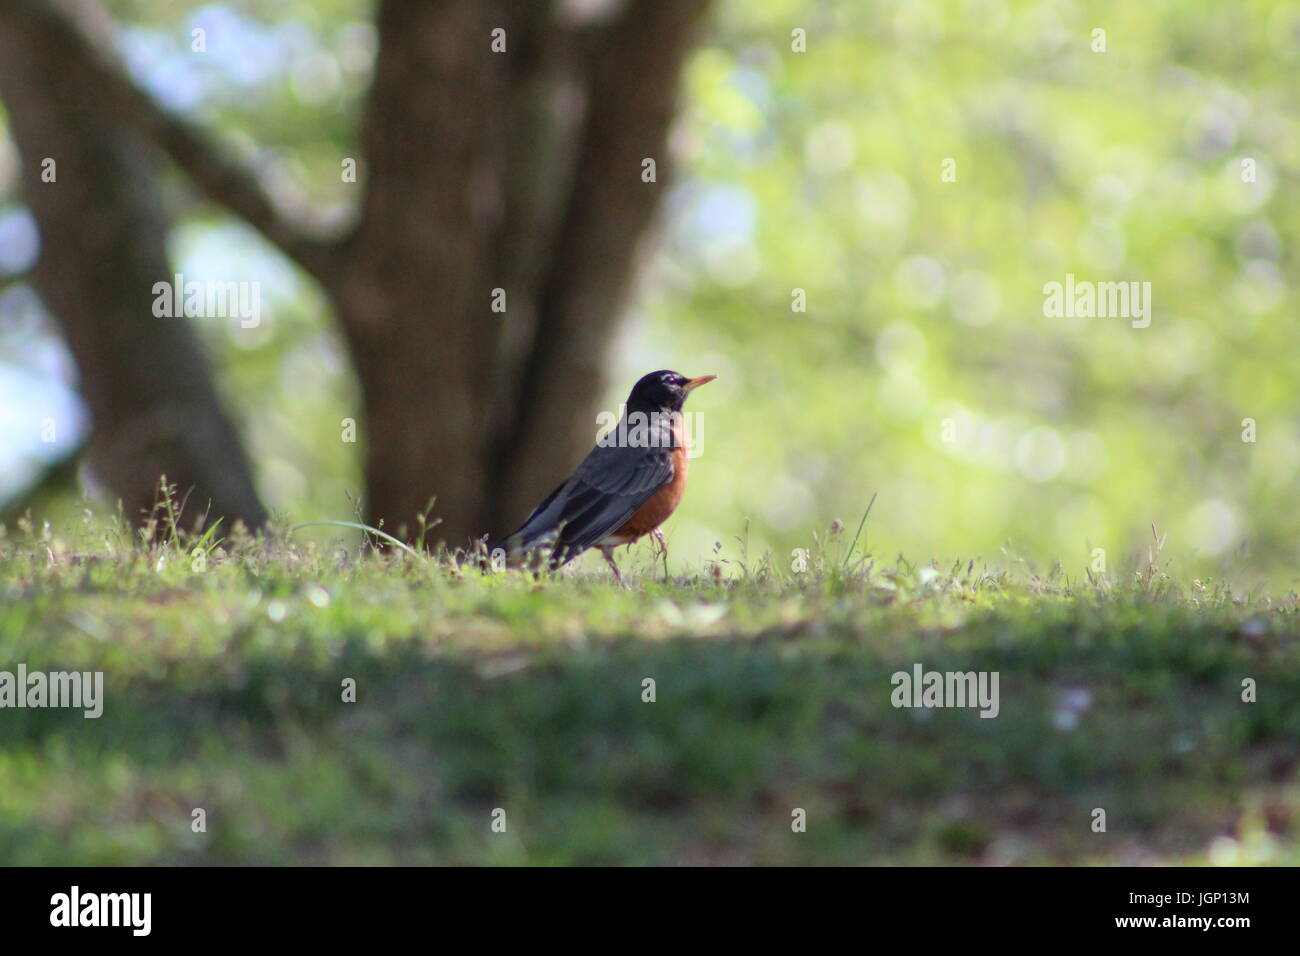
[[609, 559], [658, 535]]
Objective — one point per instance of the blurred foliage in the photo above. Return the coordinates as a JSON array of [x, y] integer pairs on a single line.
[[925, 297], [822, 171]]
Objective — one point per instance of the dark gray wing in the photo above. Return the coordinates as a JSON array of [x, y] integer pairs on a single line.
[[605, 491]]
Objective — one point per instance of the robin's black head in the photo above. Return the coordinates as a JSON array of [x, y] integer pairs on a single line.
[[664, 390]]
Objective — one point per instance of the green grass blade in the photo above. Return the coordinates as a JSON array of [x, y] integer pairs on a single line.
[[861, 525], [361, 527]]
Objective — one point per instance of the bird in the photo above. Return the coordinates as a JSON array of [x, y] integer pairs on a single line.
[[626, 488]]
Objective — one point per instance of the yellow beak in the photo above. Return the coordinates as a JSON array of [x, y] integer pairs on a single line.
[[693, 383]]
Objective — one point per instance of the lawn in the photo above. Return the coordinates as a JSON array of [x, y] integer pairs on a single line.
[[497, 698]]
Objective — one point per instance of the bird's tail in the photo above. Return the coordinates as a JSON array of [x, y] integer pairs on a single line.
[[531, 547]]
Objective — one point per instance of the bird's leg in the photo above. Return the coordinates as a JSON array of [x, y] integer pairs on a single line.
[[609, 559], [658, 535]]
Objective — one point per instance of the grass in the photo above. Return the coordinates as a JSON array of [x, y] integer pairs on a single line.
[[224, 663]]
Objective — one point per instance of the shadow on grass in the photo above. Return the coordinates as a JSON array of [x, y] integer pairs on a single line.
[[1137, 712]]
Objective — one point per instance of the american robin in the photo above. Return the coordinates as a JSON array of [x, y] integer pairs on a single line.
[[628, 485]]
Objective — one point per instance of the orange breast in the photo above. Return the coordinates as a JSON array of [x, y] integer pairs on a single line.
[[661, 504], [664, 501]]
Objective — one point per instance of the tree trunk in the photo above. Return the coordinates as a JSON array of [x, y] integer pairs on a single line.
[[517, 171], [103, 233], [631, 85]]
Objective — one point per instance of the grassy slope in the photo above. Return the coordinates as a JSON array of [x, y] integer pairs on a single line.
[[223, 692]]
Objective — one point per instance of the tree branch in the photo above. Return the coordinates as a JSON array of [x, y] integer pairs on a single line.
[[103, 234], [89, 59]]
